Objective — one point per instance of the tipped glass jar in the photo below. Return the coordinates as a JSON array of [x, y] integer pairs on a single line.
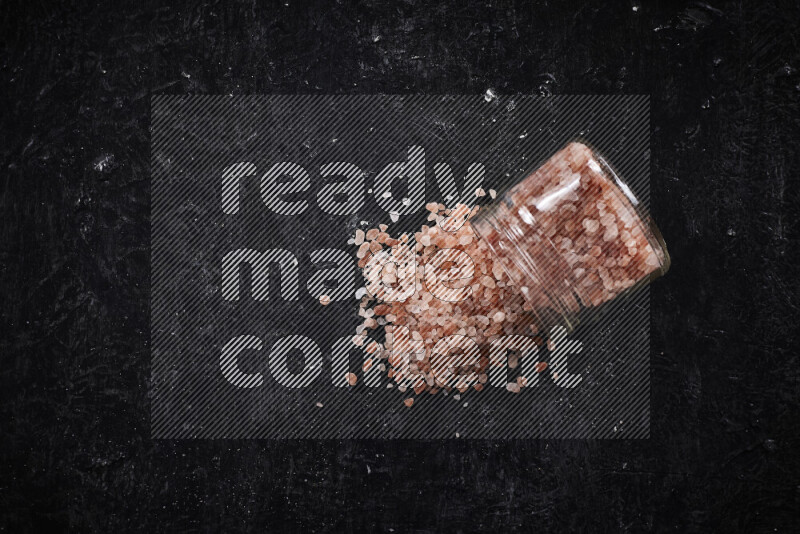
[[572, 235]]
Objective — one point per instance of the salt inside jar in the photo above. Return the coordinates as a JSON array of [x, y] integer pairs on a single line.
[[571, 235]]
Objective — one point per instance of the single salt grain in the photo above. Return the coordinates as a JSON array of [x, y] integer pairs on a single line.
[[513, 387], [540, 367], [359, 237], [591, 225], [492, 193], [497, 271], [409, 402], [480, 192], [498, 317], [319, 405], [611, 233], [324, 300], [351, 379]]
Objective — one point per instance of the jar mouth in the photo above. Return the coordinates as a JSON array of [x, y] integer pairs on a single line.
[[545, 271]]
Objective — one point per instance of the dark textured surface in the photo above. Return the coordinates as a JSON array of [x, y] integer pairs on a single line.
[[724, 86]]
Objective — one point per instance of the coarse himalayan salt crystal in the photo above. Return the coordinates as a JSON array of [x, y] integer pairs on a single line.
[[591, 225]]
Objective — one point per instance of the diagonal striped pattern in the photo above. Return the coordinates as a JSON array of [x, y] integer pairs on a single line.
[[254, 199]]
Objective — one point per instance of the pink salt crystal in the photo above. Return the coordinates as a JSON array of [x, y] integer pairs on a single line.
[[607, 219], [611, 233], [591, 225], [497, 271]]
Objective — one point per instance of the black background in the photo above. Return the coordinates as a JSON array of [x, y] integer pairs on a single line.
[[724, 86]]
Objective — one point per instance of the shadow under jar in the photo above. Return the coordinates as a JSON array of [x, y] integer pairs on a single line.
[[572, 236]]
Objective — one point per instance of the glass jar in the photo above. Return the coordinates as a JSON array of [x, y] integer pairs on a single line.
[[572, 236]]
